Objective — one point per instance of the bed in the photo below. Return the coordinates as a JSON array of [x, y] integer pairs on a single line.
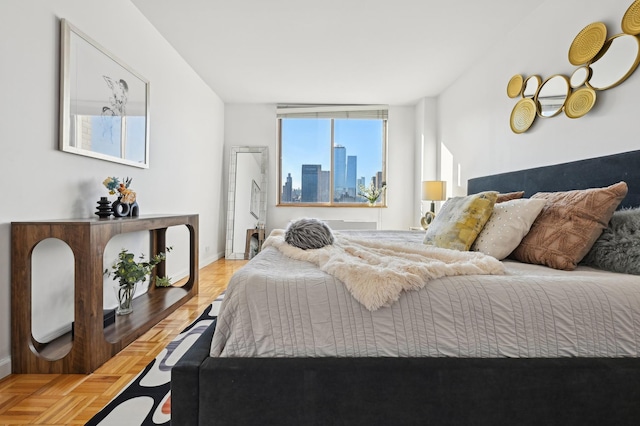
[[478, 377]]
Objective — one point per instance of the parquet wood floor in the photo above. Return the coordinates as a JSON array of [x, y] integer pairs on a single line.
[[72, 399]]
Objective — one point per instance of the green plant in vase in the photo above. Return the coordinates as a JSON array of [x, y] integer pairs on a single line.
[[128, 273], [372, 193]]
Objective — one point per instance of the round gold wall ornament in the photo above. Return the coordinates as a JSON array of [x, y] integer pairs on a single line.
[[587, 43], [514, 88], [580, 102], [523, 115], [631, 19]]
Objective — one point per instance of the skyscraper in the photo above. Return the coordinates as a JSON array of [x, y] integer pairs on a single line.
[[352, 173], [340, 169], [310, 180], [324, 185], [361, 181], [379, 180], [287, 190]]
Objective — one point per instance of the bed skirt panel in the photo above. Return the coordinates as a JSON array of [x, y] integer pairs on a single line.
[[404, 391], [418, 392], [185, 378]]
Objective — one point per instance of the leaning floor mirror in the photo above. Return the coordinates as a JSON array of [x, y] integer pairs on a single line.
[[247, 198]]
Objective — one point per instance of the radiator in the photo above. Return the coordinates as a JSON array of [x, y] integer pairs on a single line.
[[350, 224]]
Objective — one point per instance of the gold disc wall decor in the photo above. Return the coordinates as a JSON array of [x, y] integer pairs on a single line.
[[514, 88], [580, 102], [631, 19], [523, 115], [587, 43], [602, 63]]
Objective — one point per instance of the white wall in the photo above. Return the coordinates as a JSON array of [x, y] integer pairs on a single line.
[[473, 114], [40, 182], [426, 150], [255, 125]]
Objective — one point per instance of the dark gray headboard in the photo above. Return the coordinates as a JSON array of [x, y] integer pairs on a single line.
[[590, 173]]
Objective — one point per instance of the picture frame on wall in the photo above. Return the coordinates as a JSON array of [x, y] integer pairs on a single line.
[[254, 207], [104, 103]]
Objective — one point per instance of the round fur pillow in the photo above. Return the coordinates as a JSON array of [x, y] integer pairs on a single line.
[[618, 248], [308, 234]]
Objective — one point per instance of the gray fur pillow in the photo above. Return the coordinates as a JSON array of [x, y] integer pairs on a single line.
[[618, 248], [308, 234]]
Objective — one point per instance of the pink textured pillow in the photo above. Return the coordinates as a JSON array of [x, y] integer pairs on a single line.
[[568, 225], [508, 196]]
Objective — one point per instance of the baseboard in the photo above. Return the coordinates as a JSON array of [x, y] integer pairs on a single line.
[[210, 259], [5, 367], [351, 224], [53, 334], [202, 262]]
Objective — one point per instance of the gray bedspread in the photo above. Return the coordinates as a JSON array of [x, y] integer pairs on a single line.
[[279, 307]]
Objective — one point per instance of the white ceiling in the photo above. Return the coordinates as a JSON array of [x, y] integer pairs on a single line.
[[332, 51]]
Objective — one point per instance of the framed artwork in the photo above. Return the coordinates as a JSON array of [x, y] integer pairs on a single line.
[[104, 104], [254, 207]]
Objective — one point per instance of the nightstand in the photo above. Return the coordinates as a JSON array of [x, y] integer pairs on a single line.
[[253, 233]]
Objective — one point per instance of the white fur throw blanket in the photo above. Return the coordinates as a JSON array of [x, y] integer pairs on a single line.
[[376, 272]]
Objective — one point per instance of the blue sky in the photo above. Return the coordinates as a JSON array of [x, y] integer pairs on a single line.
[[105, 136], [308, 141]]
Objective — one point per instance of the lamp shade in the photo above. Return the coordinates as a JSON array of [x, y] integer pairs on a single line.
[[434, 190]]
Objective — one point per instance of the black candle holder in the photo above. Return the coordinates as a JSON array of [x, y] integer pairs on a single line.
[[104, 208]]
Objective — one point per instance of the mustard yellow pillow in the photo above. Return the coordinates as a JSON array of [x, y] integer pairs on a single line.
[[460, 221]]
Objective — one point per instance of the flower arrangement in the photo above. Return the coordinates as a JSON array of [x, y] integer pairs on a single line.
[[114, 186], [372, 193]]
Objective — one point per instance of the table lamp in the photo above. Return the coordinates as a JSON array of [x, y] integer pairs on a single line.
[[432, 190]]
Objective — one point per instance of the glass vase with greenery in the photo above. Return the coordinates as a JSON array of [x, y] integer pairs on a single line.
[[372, 193], [128, 273]]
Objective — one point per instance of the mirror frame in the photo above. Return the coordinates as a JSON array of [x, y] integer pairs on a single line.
[[136, 94], [231, 203], [529, 82], [602, 57], [576, 80], [567, 91]]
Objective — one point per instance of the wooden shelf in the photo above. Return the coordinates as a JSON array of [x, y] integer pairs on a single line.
[[56, 348], [148, 310], [92, 344]]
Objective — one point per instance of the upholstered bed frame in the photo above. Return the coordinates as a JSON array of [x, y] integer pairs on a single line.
[[423, 391], [590, 173]]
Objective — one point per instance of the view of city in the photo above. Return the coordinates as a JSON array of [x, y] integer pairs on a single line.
[[306, 157]]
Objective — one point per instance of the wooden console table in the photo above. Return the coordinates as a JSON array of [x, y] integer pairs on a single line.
[[92, 344]]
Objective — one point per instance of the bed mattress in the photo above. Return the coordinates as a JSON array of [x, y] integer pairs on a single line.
[[279, 307]]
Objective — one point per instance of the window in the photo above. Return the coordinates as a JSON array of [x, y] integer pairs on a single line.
[[111, 135], [327, 152]]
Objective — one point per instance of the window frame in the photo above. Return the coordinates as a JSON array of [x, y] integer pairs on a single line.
[[331, 203]]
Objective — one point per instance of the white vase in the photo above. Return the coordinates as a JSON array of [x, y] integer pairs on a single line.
[[124, 295]]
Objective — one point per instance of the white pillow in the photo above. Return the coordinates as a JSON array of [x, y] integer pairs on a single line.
[[507, 226]]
